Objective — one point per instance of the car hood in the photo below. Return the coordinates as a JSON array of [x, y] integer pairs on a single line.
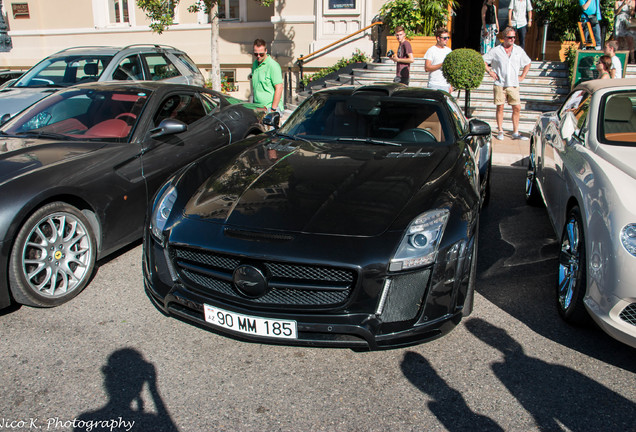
[[20, 155], [15, 99], [623, 157], [318, 188]]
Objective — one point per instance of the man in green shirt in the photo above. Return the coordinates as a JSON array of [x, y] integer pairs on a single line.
[[267, 78]]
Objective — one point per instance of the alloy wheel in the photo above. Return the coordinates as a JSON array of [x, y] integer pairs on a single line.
[[57, 255]]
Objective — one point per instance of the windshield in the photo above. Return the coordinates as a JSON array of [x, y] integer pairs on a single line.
[[64, 71], [108, 115], [618, 120], [370, 118]]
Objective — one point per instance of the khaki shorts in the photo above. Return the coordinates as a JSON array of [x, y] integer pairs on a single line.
[[509, 94]]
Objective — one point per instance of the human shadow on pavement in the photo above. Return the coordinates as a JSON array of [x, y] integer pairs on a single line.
[[448, 405], [559, 398], [517, 270], [125, 375]]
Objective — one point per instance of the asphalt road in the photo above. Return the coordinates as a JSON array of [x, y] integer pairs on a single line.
[[513, 365]]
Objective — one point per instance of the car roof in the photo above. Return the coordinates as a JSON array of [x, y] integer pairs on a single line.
[[112, 50], [391, 90], [600, 84], [140, 85]]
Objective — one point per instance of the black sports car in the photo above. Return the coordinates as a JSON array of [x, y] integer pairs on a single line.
[[78, 168], [355, 224]]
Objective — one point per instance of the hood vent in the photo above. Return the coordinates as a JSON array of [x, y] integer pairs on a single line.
[[257, 236]]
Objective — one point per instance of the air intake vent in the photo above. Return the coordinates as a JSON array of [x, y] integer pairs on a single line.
[[629, 314]]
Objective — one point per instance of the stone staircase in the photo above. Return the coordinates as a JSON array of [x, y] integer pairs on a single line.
[[544, 89]]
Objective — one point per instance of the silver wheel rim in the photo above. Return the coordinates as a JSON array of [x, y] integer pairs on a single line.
[[56, 255], [569, 261], [530, 175]]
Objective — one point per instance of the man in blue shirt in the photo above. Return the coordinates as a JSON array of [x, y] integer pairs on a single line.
[[592, 14]]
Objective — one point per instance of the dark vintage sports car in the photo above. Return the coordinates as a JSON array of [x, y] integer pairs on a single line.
[[78, 168], [355, 224]]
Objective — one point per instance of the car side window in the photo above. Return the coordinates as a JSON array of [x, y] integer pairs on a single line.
[[210, 102], [184, 107], [578, 104], [187, 62], [618, 124], [160, 67], [460, 121], [129, 69]]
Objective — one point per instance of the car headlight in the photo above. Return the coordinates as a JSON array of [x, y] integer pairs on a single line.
[[628, 238], [420, 243], [161, 212]]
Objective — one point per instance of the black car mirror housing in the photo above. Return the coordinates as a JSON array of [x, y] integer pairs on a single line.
[[272, 119], [478, 127]]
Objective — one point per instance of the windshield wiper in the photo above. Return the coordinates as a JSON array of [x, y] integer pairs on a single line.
[[370, 141], [292, 137], [52, 135]]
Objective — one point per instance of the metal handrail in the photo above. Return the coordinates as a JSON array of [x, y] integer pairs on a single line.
[[303, 58]]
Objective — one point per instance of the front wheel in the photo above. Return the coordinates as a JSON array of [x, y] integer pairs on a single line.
[[53, 256], [532, 190], [572, 279]]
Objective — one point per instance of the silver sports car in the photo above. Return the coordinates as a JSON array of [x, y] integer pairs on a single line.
[[582, 165]]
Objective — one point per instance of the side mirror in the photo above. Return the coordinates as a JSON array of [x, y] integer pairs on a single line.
[[478, 127], [168, 127], [5, 118], [568, 126], [272, 119]]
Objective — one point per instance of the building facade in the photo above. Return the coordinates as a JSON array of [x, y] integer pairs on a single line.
[[38, 28]]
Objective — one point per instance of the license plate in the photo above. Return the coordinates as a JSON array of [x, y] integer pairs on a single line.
[[285, 329]]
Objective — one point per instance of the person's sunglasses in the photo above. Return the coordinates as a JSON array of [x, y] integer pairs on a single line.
[[259, 54], [511, 37], [445, 37]]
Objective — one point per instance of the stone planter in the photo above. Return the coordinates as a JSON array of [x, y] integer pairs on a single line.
[[419, 44], [557, 51]]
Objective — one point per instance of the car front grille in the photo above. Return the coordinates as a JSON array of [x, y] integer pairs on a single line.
[[290, 284], [629, 314]]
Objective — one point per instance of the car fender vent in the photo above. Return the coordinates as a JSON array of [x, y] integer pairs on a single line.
[[257, 235]]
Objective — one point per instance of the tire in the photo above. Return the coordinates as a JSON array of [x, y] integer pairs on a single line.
[[47, 269], [572, 274], [533, 197]]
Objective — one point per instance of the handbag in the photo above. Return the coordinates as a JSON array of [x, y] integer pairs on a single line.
[[591, 19]]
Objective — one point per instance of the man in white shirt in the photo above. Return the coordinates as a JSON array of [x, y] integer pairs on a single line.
[[433, 60], [502, 64], [520, 18], [617, 67]]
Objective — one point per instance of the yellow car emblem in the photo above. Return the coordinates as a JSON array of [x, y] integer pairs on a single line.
[[58, 255]]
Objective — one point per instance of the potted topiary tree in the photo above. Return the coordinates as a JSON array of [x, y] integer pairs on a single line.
[[420, 19], [464, 69]]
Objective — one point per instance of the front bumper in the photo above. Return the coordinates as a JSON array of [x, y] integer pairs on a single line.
[[379, 310], [617, 319]]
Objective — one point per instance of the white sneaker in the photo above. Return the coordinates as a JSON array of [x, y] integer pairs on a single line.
[[500, 136], [518, 136]]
